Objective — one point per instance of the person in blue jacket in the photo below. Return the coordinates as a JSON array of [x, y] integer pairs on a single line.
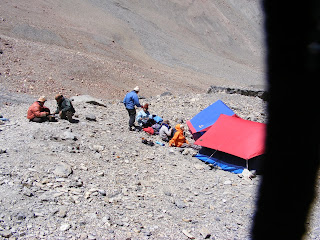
[[130, 101], [144, 118]]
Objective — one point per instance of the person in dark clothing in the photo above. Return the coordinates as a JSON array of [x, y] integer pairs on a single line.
[[130, 101], [65, 108]]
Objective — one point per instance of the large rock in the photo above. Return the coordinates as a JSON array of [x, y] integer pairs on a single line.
[[87, 99]]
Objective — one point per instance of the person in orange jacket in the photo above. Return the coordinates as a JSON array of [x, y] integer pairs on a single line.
[[37, 112], [178, 138]]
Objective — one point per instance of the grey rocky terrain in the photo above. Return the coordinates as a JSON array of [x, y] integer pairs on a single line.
[[95, 180]]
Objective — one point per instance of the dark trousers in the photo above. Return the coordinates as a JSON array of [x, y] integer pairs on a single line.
[[39, 119], [132, 116]]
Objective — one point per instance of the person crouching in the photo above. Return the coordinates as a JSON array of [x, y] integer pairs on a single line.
[[166, 131], [37, 112], [65, 108], [144, 118], [178, 139]]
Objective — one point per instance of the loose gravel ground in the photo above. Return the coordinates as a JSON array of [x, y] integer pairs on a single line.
[[96, 180]]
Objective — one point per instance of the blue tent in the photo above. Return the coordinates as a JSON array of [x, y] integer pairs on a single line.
[[207, 117]]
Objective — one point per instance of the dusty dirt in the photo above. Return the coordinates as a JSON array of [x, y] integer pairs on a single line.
[[105, 48]]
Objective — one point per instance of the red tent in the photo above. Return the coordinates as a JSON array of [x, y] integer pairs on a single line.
[[236, 136]]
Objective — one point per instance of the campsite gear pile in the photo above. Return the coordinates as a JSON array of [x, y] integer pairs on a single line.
[[154, 129], [147, 142], [222, 139], [228, 141]]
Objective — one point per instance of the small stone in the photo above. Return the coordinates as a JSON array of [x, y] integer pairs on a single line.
[[91, 237], [62, 213], [167, 193], [105, 219], [27, 192], [165, 94], [199, 166], [100, 174], [84, 168], [185, 232], [5, 233], [228, 182], [63, 170], [3, 150], [102, 192], [67, 135], [91, 117], [21, 216], [97, 148], [205, 233], [65, 227], [179, 203], [130, 207], [186, 219], [172, 151]]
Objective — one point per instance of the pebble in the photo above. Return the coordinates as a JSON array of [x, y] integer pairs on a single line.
[[188, 234], [62, 213], [5, 233], [199, 166], [179, 203], [205, 232], [68, 135], [228, 182], [27, 192], [63, 170], [65, 227], [91, 117]]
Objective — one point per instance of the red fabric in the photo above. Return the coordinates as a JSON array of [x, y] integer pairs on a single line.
[[191, 128], [149, 130], [236, 136], [35, 110]]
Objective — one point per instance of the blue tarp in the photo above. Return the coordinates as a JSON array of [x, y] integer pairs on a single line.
[[208, 116], [230, 162], [221, 164]]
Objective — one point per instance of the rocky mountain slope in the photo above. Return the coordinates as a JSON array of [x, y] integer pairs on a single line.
[[104, 48], [97, 180]]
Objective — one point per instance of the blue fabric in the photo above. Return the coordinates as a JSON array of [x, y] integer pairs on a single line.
[[210, 115], [143, 117], [157, 119], [131, 99], [221, 164]]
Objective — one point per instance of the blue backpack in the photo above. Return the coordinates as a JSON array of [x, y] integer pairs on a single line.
[[157, 118]]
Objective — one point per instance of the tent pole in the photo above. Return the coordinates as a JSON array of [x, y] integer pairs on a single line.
[[247, 164], [213, 153]]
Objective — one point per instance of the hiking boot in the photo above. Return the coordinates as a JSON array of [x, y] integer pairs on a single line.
[[69, 116], [131, 128]]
